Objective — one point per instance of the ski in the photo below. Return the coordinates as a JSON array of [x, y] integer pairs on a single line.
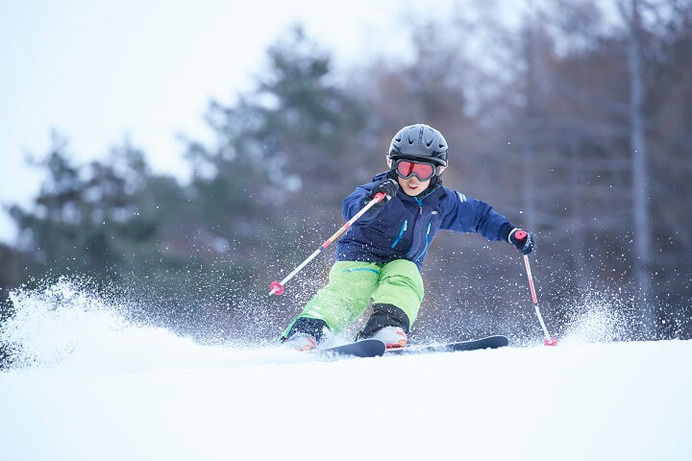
[[363, 348], [490, 342], [376, 348]]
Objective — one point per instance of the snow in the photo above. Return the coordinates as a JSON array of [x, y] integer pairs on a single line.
[[95, 386]]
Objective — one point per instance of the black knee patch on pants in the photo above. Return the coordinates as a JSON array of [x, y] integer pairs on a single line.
[[313, 327], [385, 315]]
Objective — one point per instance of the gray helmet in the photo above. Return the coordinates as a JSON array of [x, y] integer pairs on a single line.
[[419, 142]]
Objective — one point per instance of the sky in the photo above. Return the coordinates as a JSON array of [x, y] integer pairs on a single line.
[[98, 72], [98, 387]]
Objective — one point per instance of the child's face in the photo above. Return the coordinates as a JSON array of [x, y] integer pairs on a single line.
[[413, 186]]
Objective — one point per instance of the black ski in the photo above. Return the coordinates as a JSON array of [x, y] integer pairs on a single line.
[[491, 342], [363, 348], [376, 348]]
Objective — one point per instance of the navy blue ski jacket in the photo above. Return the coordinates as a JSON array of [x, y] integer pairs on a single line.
[[405, 226]]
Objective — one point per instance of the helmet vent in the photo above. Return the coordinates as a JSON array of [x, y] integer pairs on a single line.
[[418, 142]]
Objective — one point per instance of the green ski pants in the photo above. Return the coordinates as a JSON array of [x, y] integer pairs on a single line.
[[352, 284]]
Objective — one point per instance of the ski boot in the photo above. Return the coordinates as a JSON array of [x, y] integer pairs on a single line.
[[392, 337], [305, 334], [389, 324], [300, 342]]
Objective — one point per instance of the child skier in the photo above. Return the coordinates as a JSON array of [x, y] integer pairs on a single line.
[[381, 255]]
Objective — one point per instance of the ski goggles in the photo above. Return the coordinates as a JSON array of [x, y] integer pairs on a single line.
[[421, 170]]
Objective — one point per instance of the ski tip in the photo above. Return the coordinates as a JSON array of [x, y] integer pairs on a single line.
[[500, 340]]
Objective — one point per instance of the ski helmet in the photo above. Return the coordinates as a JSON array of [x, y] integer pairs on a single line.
[[419, 142]]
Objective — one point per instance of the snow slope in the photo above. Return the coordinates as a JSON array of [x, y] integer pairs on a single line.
[[100, 388]]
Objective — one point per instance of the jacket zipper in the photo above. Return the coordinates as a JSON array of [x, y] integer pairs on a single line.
[[401, 233], [427, 242]]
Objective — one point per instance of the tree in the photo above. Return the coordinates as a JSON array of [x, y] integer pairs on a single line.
[[285, 154], [640, 184], [88, 219], [666, 56]]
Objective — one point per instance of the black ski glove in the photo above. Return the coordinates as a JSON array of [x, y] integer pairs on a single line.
[[525, 244], [388, 186]]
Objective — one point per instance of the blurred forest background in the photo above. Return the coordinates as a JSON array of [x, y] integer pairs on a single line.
[[576, 125]]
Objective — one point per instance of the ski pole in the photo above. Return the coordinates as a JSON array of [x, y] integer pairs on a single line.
[[549, 340], [277, 288]]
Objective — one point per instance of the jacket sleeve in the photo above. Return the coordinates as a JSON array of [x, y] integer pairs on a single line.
[[465, 214], [354, 202]]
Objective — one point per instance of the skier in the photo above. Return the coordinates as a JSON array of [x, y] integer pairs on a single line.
[[381, 255]]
